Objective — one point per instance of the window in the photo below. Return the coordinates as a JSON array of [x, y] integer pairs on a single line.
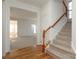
[[13, 29], [70, 10], [34, 28]]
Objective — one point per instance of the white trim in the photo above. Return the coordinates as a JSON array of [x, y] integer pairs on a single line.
[[17, 4]]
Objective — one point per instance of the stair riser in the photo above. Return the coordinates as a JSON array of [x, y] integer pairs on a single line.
[[53, 55], [64, 44], [60, 54], [63, 52], [66, 31], [63, 38], [65, 34], [67, 49]]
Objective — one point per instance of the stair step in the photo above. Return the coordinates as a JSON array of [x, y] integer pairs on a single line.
[[66, 49], [52, 54], [62, 43], [63, 38], [60, 53], [48, 51], [65, 34], [66, 30], [67, 26]]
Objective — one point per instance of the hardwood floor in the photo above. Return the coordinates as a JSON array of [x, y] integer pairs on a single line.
[[28, 53]]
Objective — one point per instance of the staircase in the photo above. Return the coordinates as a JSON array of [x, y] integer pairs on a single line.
[[61, 46]]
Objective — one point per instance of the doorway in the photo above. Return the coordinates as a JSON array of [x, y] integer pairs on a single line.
[[23, 28]]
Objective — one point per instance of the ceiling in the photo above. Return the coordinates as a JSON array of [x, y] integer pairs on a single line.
[[18, 13], [25, 14], [37, 3]]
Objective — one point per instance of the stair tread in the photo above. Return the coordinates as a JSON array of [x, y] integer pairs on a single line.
[[64, 48], [63, 38], [62, 42], [65, 33], [59, 54], [66, 30]]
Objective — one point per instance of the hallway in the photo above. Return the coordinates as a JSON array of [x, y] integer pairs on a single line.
[[35, 24]]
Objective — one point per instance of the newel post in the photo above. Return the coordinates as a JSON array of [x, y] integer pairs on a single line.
[[43, 45]]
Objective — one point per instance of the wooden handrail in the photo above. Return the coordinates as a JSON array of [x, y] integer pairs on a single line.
[[45, 31], [65, 7], [54, 23]]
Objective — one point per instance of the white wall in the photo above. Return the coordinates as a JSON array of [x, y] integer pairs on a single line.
[[5, 28], [23, 42], [50, 13], [25, 27], [74, 25]]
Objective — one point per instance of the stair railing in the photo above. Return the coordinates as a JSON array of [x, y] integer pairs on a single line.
[[45, 31], [65, 7]]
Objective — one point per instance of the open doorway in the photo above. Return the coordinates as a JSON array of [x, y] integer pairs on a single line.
[[23, 28]]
